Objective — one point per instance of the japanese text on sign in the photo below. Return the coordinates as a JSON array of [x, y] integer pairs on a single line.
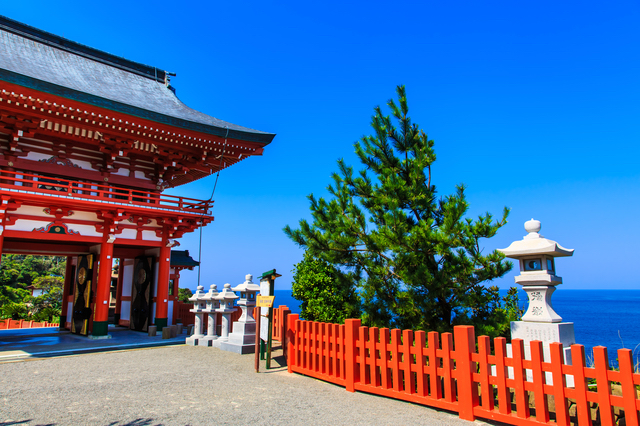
[[265, 301]]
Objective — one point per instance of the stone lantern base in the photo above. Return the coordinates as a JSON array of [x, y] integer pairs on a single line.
[[242, 340], [193, 340], [207, 340], [561, 332]]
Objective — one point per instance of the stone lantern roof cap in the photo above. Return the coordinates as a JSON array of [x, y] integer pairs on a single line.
[[198, 295], [534, 243], [211, 294], [247, 285], [227, 293]]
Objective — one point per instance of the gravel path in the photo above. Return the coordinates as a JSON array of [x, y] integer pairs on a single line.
[[185, 385]]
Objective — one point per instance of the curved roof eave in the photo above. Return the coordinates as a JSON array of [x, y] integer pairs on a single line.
[[42, 61], [56, 90]]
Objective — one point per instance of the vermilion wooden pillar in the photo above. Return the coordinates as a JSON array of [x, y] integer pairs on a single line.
[[176, 283], [101, 317], [162, 294], [116, 315], [1, 240], [68, 280]]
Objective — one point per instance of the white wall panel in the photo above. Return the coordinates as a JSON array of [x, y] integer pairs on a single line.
[[69, 311], [150, 236], [125, 310], [127, 279], [128, 233]]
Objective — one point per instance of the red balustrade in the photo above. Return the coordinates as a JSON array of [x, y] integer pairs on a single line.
[[30, 183], [9, 324]]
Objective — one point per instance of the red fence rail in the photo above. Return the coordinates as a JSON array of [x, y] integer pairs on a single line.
[[463, 374], [9, 324], [55, 186]]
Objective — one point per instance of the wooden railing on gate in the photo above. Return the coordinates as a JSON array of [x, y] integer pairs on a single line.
[[460, 373], [9, 324], [92, 191]]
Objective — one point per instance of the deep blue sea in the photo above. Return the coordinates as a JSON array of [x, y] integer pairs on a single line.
[[608, 318]]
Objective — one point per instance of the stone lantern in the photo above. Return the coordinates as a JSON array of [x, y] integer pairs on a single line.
[[199, 305], [226, 298], [211, 305], [536, 256], [243, 338]]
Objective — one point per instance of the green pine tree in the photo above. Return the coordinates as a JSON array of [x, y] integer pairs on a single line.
[[417, 258]]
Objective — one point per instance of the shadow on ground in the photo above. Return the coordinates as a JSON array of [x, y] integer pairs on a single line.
[[136, 422]]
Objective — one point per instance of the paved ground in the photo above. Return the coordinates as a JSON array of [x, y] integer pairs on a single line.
[[184, 385]]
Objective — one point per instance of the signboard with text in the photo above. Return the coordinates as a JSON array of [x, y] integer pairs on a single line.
[[265, 301]]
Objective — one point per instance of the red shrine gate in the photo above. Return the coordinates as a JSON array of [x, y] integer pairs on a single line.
[[88, 143]]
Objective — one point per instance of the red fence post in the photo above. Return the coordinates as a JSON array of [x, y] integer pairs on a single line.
[[350, 340], [395, 359], [519, 377], [542, 406], [580, 385], [465, 344], [291, 338], [625, 361], [421, 361], [285, 315], [601, 364], [432, 354], [486, 390], [559, 384], [407, 360]]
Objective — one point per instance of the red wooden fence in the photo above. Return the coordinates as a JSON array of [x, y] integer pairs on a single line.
[[8, 324], [460, 373]]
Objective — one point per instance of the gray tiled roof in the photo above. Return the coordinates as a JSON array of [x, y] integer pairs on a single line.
[[182, 258], [46, 62]]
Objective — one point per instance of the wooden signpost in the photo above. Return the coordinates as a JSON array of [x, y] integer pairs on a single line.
[[264, 320]]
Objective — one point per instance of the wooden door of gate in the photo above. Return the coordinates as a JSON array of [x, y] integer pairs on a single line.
[[141, 294], [82, 295]]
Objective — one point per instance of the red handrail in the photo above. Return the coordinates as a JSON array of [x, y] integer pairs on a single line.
[[39, 184]]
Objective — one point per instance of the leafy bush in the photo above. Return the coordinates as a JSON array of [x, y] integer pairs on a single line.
[[325, 294]]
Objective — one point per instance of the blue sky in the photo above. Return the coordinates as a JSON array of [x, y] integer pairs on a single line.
[[532, 105]]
